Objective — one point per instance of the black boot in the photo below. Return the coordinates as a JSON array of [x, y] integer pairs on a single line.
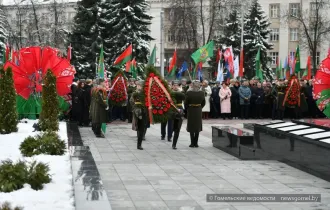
[[192, 139]]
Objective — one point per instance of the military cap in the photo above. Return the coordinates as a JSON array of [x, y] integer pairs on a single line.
[[140, 82], [176, 82], [99, 81], [88, 81]]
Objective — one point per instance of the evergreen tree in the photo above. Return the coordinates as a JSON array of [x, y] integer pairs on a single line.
[[85, 38], [232, 33], [48, 119], [231, 37], [2, 96], [8, 114], [3, 30], [128, 22], [256, 34]]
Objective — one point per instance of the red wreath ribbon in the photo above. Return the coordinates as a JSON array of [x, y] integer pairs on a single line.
[[289, 90]]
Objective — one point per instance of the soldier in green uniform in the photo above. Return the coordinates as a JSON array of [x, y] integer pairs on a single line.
[[140, 116], [100, 107], [179, 97], [194, 102], [280, 108], [130, 90]]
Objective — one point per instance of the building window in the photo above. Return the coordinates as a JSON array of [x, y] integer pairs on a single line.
[[274, 10], [170, 36], [293, 34], [274, 56], [274, 34], [294, 10], [315, 8]]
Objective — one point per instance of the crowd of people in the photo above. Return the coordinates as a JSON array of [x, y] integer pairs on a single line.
[[196, 101]]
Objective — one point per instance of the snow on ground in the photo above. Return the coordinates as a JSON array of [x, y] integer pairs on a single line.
[[57, 195]]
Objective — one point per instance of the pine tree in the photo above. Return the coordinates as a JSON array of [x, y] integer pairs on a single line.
[[2, 96], [8, 114], [231, 37], [256, 33], [3, 30], [232, 33], [48, 119], [129, 23], [85, 38]]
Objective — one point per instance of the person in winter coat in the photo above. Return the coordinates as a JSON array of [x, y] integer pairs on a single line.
[[234, 100], [194, 103], [215, 101], [207, 91], [225, 95], [80, 101], [260, 98], [99, 108], [245, 96], [88, 97]]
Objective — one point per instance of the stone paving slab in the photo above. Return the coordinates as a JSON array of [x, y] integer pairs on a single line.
[[161, 178]]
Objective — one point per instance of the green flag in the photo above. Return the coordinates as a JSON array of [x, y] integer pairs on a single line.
[[152, 59], [297, 61], [281, 70], [101, 64], [203, 53], [258, 67]]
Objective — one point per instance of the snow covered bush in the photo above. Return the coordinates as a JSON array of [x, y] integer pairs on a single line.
[[8, 112], [13, 176], [48, 143], [50, 111], [38, 174], [7, 206], [30, 147]]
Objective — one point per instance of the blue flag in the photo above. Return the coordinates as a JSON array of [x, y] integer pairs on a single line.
[[183, 68], [228, 75]]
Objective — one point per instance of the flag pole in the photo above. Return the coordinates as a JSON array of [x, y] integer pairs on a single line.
[[189, 75]]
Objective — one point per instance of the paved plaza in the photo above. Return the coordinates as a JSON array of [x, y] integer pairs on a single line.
[[159, 177]]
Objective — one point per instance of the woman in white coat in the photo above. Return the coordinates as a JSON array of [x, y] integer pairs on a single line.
[[225, 104], [207, 90]]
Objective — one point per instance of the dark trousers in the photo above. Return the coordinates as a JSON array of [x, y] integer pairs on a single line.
[[194, 138], [176, 128], [141, 130], [129, 114], [169, 125], [97, 129], [259, 110], [274, 110], [280, 114], [245, 108]]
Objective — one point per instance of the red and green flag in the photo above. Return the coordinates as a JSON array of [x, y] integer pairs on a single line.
[[101, 64], [131, 67], [297, 61], [124, 57], [172, 68], [152, 59], [308, 71]]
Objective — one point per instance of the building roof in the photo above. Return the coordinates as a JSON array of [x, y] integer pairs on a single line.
[[27, 2]]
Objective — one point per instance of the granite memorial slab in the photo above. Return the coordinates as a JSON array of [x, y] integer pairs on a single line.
[[318, 135], [299, 148], [280, 125], [307, 131], [296, 127], [234, 141]]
